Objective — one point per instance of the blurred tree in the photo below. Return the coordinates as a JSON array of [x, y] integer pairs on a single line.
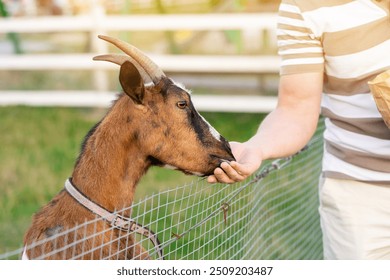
[[12, 36]]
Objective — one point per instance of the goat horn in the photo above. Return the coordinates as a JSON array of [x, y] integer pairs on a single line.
[[152, 69], [120, 59]]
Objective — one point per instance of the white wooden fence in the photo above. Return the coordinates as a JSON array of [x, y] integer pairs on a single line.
[[100, 23]]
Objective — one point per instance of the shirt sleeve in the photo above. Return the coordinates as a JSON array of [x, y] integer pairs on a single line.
[[299, 48]]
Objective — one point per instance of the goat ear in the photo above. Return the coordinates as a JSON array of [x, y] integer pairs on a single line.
[[131, 82]]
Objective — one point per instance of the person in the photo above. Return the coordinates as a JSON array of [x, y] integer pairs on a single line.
[[329, 51]]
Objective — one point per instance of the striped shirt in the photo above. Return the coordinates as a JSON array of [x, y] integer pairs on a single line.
[[349, 42]]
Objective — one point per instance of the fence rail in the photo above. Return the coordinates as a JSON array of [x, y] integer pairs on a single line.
[[99, 23], [98, 20], [211, 103], [240, 64]]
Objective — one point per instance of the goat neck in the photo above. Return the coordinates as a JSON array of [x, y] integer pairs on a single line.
[[111, 164]]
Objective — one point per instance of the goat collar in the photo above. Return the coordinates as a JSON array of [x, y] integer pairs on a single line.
[[117, 221]]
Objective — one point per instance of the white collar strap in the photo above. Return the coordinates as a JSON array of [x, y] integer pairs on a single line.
[[116, 220]]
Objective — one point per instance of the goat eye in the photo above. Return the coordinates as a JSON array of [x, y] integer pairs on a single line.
[[181, 104]]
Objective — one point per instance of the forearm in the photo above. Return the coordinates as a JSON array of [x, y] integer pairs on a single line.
[[283, 132], [290, 126]]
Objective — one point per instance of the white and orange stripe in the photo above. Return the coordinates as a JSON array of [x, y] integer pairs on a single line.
[[349, 41]]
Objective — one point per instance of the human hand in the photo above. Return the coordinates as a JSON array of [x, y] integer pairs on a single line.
[[247, 161]]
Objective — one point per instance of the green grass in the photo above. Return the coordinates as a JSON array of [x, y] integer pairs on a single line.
[[38, 148]]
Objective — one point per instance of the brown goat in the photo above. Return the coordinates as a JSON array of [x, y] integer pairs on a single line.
[[149, 124]]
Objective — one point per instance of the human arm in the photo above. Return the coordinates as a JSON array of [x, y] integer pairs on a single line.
[[283, 132]]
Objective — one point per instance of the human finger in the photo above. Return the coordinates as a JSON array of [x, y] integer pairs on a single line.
[[222, 177], [211, 179], [232, 173]]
